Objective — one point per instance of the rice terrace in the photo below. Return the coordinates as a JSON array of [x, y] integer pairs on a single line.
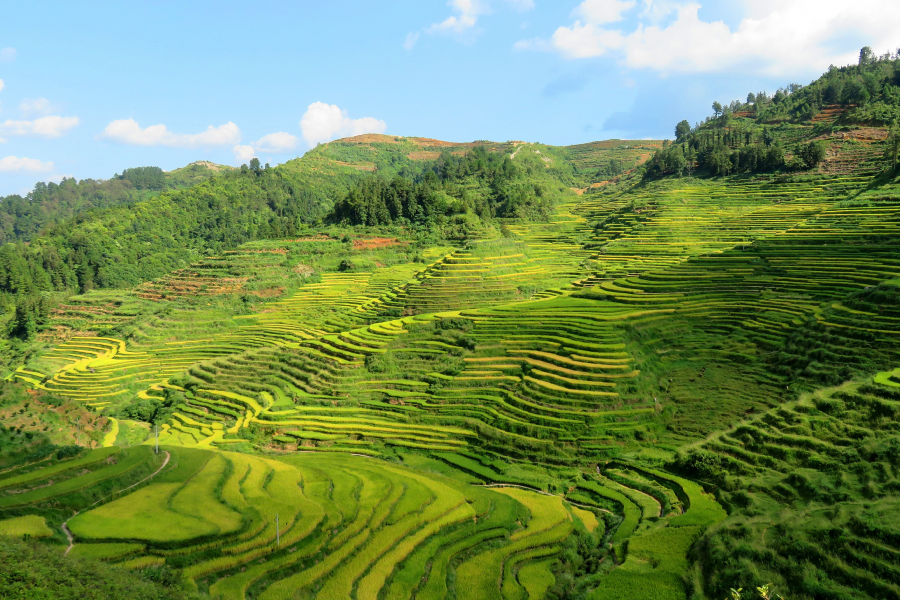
[[403, 368]]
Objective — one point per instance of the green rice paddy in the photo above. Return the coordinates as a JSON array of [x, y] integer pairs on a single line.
[[645, 396]]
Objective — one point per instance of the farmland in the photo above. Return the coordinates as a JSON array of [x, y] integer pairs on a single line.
[[666, 388]]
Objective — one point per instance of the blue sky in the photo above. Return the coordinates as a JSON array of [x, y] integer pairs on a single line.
[[91, 88]]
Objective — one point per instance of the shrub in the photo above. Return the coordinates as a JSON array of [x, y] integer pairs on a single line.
[[68, 452]]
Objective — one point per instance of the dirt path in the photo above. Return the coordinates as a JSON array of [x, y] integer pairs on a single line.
[[65, 525]]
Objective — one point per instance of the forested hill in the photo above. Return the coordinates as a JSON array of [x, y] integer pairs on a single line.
[[833, 125], [125, 242], [21, 218]]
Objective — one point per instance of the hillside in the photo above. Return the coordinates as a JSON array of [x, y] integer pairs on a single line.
[[407, 368], [136, 240], [50, 203]]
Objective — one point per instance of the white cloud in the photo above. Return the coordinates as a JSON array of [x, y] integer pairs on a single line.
[[521, 5], [599, 12], [7, 54], [585, 41], [462, 22], [14, 163], [411, 39], [775, 38], [656, 10], [1, 85], [466, 18], [273, 143], [276, 143], [59, 178], [244, 153], [42, 106], [47, 127], [324, 122], [127, 131]]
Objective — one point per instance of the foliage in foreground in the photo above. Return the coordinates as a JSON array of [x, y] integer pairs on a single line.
[[31, 571]]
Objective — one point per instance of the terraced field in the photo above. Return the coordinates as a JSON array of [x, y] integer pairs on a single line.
[[330, 525], [558, 407], [831, 456]]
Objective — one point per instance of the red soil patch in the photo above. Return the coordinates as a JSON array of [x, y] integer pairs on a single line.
[[376, 242], [863, 134], [369, 138], [184, 282], [830, 113], [432, 143]]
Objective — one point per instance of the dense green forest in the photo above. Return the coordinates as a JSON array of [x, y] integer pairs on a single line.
[[22, 218], [740, 137], [126, 244], [480, 182]]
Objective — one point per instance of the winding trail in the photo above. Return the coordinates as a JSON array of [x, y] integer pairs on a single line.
[[65, 525]]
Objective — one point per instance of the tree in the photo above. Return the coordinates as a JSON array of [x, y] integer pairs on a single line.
[[690, 156], [682, 130], [720, 163], [717, 108], [677, 161], [751, 98], [866, 55], [613, 167], [808, 156], [24, 323]]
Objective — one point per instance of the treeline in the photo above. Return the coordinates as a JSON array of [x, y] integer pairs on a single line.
[[49, 203], [717, 152], [736, 139], [22, 218], [480, 182], [125, 245], [145, 178], [869, 90]]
